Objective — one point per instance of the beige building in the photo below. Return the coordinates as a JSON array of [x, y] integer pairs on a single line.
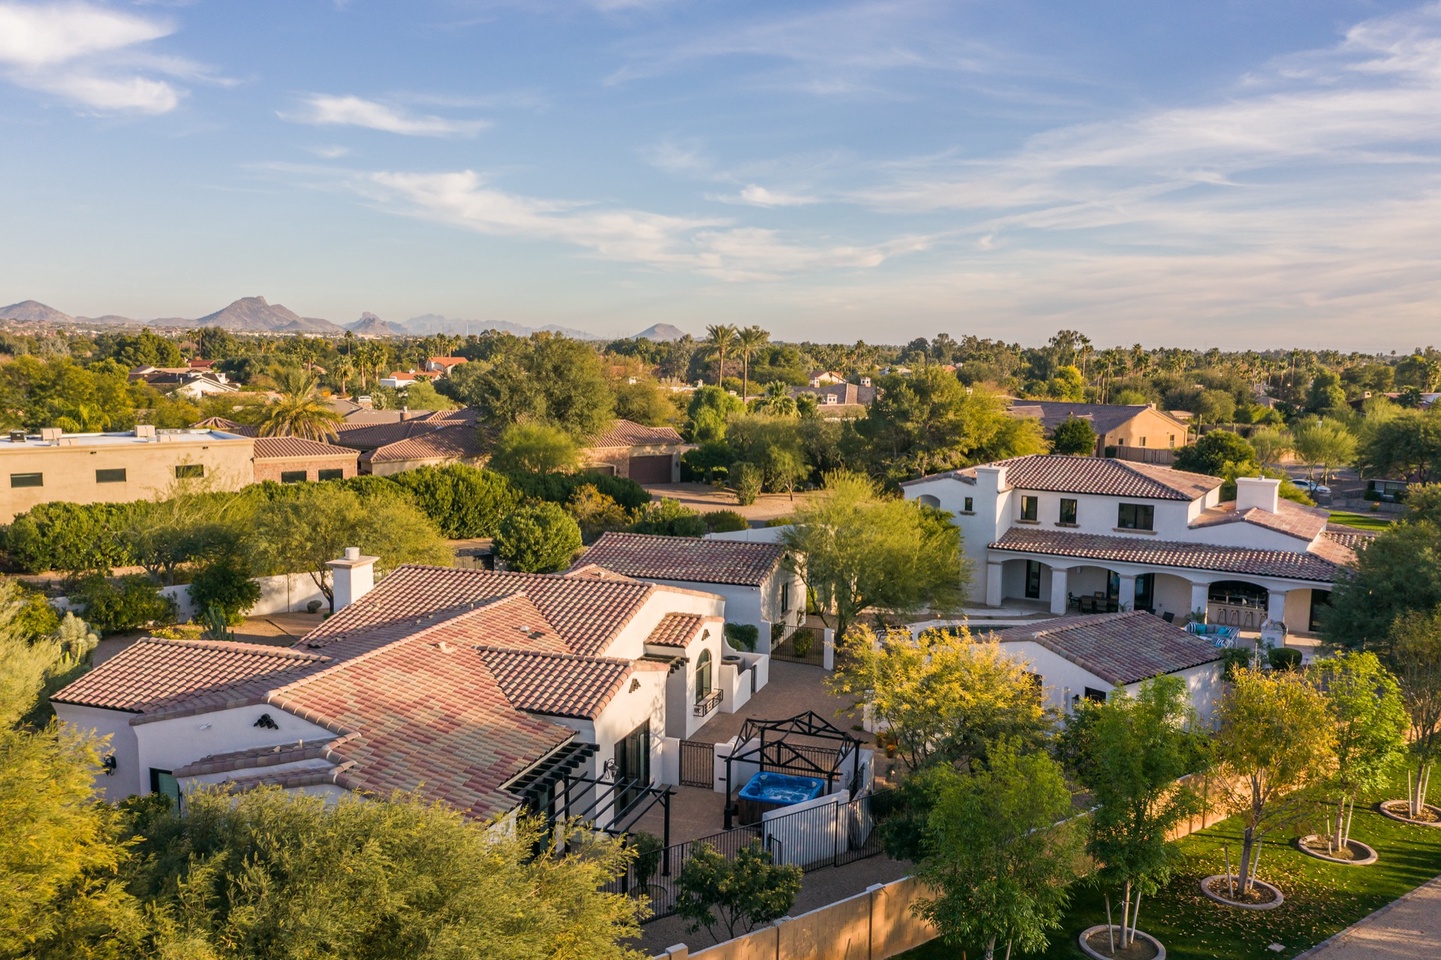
[[1138, 432], [117, 467]]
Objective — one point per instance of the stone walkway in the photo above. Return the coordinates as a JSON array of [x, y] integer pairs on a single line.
[[1406, 929]]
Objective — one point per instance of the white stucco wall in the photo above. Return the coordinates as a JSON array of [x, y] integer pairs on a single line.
[[128, 778], [629, 644], [171, 744], [1062, 680], [626, 711]]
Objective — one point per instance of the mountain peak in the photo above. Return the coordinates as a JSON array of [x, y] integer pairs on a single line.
[[660, 333], [33, 311]]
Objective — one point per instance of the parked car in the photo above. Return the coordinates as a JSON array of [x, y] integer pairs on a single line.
[[1313, 488]]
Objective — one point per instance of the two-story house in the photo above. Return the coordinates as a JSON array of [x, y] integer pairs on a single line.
[[1089, 534]]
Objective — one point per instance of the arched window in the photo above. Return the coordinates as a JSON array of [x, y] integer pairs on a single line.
[[702, 676]]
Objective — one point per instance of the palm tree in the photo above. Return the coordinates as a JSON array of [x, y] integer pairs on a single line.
[[720, 338], [777, 401], [749, 340], [299, 412], [344, 370]]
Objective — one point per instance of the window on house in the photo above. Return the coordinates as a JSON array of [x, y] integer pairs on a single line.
[[189, 471], [1029, 508], [292, 476], [110, 476], [1136, 516], [27, 479], [1068, 510], [970, 505], [1095, 696], [785, 598], [1173, 439], [331, 474], [703, 682], [1120, 441], [1143, 441]]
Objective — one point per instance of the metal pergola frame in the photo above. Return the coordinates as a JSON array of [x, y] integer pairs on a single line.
[[777, 752]]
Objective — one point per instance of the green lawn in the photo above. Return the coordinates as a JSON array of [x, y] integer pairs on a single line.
[[1362, 521], [1321, 898]]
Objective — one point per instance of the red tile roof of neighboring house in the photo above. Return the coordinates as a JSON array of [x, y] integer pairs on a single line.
[[286, 448], [449, 361], [675, 629], [561, 685], [159, 678], [1305, 523], [686, 559], [1120, 648], [1323, 562], [582, 614], [458, 442], [1056, 473], [253, 757], [226, 426], [628, 433], [1348, 537], [428, 717]]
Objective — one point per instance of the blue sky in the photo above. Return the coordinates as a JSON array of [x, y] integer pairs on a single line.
[[1235, 174]]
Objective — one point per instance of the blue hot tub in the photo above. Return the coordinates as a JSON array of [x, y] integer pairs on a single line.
[[767, 791]]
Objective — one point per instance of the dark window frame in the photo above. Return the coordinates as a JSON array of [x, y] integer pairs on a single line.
[[24, 480], [294, 476], [330, 473], [190, 471], [1136, 516], [109, 475], [1068, 502], [1030, 508]]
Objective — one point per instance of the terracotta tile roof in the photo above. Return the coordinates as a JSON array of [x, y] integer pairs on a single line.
[[561, 685], [424, 717], [226, 426], [675, 629], [450, 361], [1323, 562], [685, 559], [284, 448], [628, 433], [158, 678], [460, 441], [254, 757], [1348, 537], [1305, 523], [1103, 417], [1100, 476], [1120, 648], [595, 572], [582, 613]]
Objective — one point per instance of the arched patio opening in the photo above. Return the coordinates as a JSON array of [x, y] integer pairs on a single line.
[[1237, 603]]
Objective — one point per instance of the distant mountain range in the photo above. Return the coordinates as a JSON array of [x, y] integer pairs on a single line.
[[257, 315]]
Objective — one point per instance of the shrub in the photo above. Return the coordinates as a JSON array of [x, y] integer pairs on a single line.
[[802, 641], [528, 448], [130, 603], [1233, 660], [742, 636], [35, 617], [463, 501], [746, 480], [735, 895], [724, 521], [595, 512], [71, 537], [669, 518], [706, 463], [648, 850], [224, 584], [560, 487], [1284, 658], [1075, 436], [537, 538]]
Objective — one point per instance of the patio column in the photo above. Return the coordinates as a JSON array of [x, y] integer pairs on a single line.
[[1276, 606], [1200, 597], [1127, 596], [993, 584], [1060, 590]]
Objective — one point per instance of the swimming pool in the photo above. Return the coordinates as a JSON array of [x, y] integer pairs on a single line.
[[768, 791]]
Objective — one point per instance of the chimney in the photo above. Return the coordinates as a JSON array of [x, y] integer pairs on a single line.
[[991, 478], [1263, 492], [354, 576]]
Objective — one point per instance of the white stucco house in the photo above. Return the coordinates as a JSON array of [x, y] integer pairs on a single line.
[[1089, 656], [1088, 534], [492, 692], [758, 585]]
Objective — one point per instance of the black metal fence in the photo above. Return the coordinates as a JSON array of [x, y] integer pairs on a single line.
[[830, 835]]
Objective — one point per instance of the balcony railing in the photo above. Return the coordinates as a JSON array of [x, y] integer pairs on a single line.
[[707, 704]]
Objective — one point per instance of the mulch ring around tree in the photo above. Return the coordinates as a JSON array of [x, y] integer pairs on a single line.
[[1096, 942], [1401, 810], [1354, 853], [1261, 896]]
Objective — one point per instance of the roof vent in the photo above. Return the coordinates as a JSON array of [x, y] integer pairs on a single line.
[[17, 436], [50, 433]]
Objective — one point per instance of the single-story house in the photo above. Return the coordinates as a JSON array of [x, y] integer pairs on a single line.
[[633, 450], [1136, 431], [296, 460], [759, 587], [442, 366]]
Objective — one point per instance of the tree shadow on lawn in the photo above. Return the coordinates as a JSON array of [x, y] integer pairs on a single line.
[[1321, 898]]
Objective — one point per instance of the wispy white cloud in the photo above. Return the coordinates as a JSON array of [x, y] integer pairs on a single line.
[[709, 246], [326, 110], [93, 55], [757, 196]]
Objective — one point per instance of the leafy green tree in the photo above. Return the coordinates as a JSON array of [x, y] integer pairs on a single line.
[[1404, 446], [1397, 573], [746, 480], [669, 518], [1271, 443], [1066, 384], [1326, 393], [595, 512], [860, 551], [1216, 406], [710, 409], [534, 448], [128, 603], [1370, 719], [1001, 852], [1218, 453], [1416, 659], [422, 395], [145, 348], [75, 538], [1326, 444], [1130, 751], [1075, 436], [264, 874], [1276, 737], [303, 531], [544, 379], [943, 696], [537, 538], [225, 584], [462, 500], [735, 895], [644, 401]]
